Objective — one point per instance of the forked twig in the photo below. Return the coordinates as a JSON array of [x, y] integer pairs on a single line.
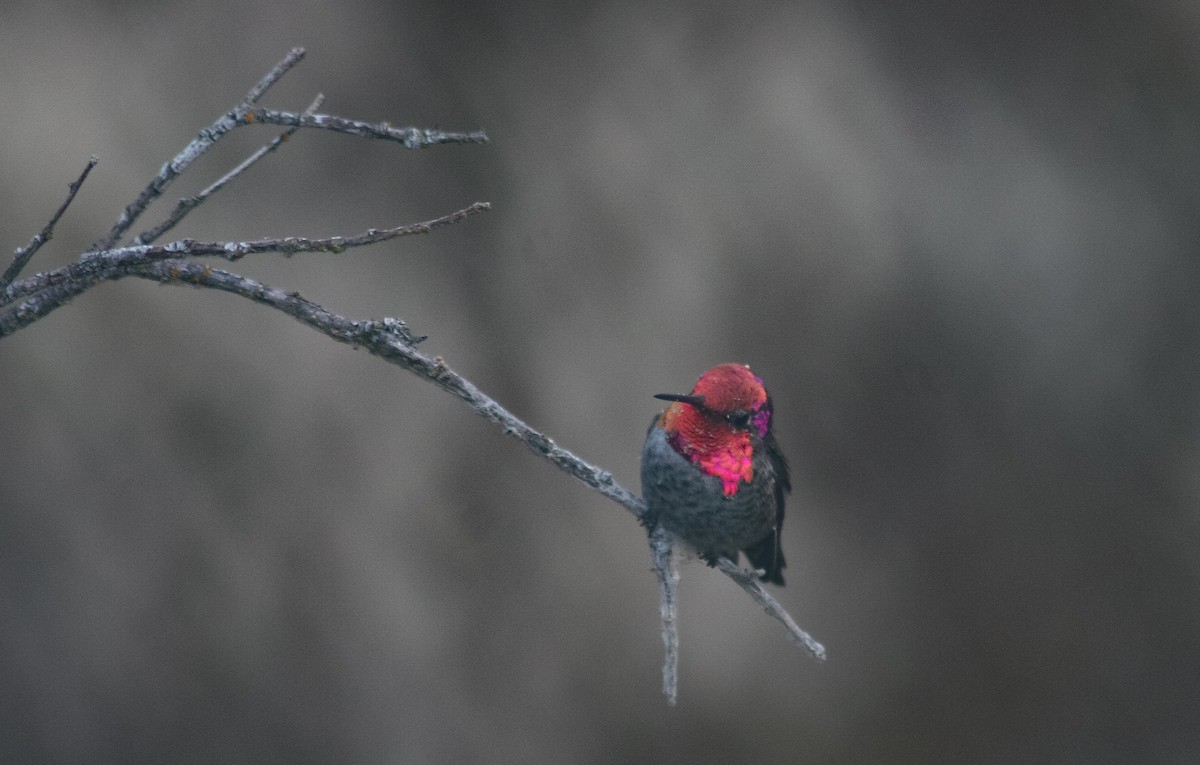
[[47, 291], [187, 204], [207, 137], [27, 300]]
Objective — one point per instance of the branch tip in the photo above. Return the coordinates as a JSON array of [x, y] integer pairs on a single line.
[[24, 254], [747, 580]]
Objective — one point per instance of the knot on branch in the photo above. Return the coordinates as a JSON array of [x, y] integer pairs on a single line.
[[390, 328], [413, 139]]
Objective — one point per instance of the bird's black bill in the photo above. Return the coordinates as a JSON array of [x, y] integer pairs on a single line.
[[686, 398]]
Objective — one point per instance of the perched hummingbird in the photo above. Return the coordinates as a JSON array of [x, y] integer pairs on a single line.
[[713, 474]]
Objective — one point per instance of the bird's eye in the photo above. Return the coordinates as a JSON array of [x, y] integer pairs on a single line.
[[738, 419]]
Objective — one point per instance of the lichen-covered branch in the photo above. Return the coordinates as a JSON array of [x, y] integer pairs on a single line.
[[42, 293], [662, 554], [410, 137], [187, 204], [24, 301], [200, 144], [748, 581]]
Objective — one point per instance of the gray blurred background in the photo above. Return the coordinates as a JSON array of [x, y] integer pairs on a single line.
[[959, 245]]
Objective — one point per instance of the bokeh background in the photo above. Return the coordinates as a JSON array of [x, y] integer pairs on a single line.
[[959, 241]]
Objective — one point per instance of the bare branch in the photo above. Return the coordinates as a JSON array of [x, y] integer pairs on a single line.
[[370, 335], [748, 581], [50, 297], [411, 137], [187, 204], [293, 57], [390, 339], [661, 553], [51, 290], [207, 137], [24, 254]]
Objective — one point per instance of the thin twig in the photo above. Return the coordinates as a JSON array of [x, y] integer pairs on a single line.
[[24, 254], [92, 268], [411, 137], [661, 553], [187, 204], [383, 340], [207, 137], [293, 57], [748, 581]]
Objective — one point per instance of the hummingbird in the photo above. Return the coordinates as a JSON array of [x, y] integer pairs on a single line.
[[712, 472]]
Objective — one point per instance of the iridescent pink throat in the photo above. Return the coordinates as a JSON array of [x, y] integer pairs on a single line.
[[728, 455]]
